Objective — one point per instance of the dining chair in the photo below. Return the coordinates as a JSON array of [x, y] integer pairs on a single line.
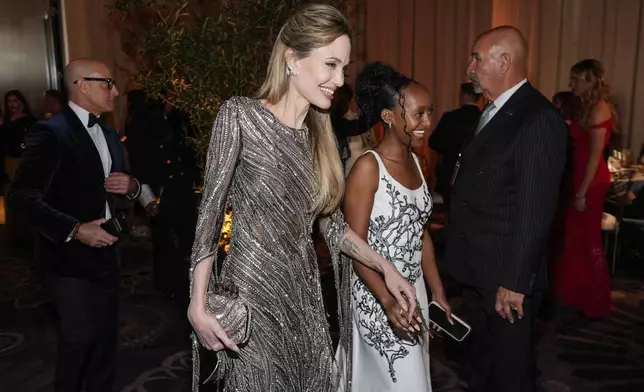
[[612, 223]]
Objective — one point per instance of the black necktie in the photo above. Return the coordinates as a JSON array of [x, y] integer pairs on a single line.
[[93, 120]]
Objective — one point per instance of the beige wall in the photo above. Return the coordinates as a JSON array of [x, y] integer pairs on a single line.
[[23, 62]]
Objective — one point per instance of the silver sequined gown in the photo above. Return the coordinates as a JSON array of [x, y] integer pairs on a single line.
[[266, 170]]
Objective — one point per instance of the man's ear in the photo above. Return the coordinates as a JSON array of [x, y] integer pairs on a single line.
[[505, 61]]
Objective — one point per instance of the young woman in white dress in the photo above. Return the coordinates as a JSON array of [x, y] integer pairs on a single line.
[[387, 202]]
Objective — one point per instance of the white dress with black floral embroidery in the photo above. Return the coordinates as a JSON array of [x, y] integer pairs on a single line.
[[381, 360]]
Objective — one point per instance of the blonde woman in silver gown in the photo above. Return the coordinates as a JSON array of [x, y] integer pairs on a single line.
[[276, 159]]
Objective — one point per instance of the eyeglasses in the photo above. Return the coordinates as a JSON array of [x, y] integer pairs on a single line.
[[110, 82]]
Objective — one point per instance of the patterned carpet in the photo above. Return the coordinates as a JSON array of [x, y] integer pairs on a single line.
[[575, 355]]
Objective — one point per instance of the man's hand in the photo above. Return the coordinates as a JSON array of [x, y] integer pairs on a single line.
[[152, 208], [508, 301], [91, 234], [120, 184]]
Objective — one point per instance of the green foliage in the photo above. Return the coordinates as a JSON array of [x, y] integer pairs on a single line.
[[202, 51]]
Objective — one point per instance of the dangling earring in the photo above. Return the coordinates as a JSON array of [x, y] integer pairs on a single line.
[[387, 125], [289, 70]]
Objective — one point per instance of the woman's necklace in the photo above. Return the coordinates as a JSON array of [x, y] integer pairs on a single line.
[[402, 163]]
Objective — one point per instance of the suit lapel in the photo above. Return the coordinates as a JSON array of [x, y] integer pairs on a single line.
[[508, 113], [112, 141], [113, 144], [85, 140]]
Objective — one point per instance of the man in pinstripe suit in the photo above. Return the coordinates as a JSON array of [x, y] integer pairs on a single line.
[[505, 191]]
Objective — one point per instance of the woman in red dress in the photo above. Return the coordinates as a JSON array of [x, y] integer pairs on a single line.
[[581, 276]]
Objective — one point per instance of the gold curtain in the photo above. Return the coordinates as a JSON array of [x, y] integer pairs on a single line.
[[562, 32], [430, 40]]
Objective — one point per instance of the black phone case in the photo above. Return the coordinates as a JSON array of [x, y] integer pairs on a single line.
[[110, 228], [116, 226]]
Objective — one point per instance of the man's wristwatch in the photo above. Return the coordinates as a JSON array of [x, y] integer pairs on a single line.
[[135, 195]]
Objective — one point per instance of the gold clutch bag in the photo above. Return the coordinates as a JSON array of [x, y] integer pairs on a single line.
[[232, 313]]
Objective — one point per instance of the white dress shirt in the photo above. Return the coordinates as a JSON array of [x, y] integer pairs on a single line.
[[147, 196], [503, 98], [96, 133]]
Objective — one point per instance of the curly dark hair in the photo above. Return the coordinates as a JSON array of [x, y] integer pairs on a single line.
[[379, 87]]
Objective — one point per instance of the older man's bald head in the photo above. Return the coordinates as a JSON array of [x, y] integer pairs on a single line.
[[89, 84], [82, 68], [499, 60], [507, 41]]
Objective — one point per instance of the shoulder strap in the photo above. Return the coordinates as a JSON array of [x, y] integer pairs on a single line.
[[604, 124], [420, 170], [381, 166], [375, 154], [378, 159]]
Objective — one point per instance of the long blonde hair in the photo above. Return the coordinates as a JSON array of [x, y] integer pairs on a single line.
[[314, 26], [593, 71]]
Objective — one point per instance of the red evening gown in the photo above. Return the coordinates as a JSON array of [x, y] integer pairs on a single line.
[[581, 275]]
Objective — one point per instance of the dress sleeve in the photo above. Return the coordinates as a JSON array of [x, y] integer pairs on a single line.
[[333, 228], [221, 160]]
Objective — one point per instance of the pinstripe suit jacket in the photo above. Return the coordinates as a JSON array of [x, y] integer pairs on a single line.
[[505, 196]]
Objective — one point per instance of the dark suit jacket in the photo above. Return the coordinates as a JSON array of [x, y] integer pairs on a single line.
[[448, 138], [59, 183], [505, 196], [159, 154]]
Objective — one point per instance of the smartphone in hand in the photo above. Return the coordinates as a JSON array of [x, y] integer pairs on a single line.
[[458, 331], [117, 226]]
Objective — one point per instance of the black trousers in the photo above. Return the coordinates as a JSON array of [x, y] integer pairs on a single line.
[[88, 341], [500, 353]]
